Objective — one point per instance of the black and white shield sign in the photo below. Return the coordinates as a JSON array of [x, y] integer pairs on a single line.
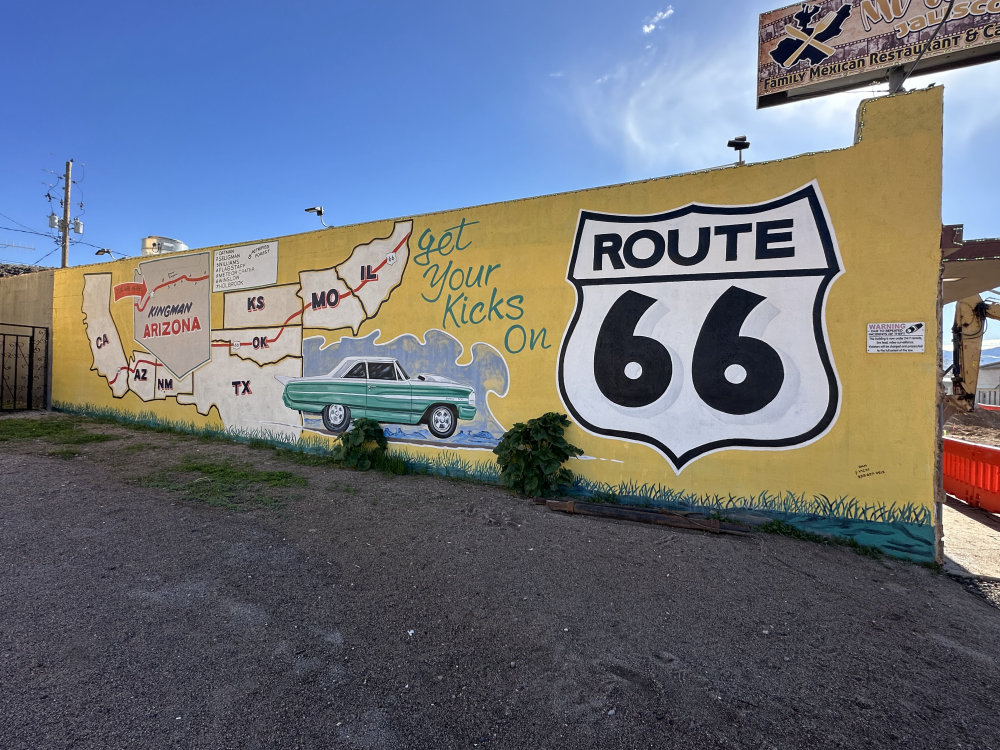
[[703, 328]]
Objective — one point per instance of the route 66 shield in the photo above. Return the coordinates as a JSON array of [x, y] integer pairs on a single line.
[[703, 328]]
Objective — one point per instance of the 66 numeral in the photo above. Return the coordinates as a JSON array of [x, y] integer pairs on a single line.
[[731, 373], [630, 370]]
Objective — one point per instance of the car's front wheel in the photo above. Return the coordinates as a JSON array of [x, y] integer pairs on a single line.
[[336, 417], [442, 421]]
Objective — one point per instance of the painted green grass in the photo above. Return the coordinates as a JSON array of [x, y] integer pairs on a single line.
[[450, 465], [149, 421], [143, 420], [782, 528], [786, 503], [223, 484], [314, 450]]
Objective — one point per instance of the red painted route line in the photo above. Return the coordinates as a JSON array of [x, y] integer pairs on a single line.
[[132, 369], [350, 292], [185, 277], [269, 341]]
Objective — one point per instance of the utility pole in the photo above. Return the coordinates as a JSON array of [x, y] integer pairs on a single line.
[[63, 224], [65, 219]]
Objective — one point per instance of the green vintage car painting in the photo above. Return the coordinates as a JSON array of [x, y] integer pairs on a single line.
[[379, 388]]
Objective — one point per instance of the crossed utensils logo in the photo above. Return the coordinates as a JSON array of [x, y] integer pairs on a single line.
[[808, 38]]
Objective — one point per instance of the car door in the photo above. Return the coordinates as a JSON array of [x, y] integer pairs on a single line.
[[389, 398], [351, 390]]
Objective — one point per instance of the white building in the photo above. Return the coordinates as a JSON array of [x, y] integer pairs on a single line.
[[988, 388]]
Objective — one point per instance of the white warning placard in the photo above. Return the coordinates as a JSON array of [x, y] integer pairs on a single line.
[[894, 338]]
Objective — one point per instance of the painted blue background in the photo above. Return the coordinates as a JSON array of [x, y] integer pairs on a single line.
[[437, 355]]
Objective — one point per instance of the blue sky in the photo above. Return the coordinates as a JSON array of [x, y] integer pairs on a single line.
[[220, 122]]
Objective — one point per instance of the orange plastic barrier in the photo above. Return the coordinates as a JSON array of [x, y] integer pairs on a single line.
[[972, 473]]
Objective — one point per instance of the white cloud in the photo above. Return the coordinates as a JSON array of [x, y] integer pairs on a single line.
[[650, 26], [675, 111], [972, 100], [672, 108], [670, 112]]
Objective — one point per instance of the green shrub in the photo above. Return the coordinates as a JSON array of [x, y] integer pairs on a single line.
[[363, 446], [531, 456]]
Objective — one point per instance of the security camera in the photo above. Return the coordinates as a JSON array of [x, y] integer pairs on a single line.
[[318, 210]]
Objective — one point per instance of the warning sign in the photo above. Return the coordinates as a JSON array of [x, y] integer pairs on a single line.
[[886, 338]]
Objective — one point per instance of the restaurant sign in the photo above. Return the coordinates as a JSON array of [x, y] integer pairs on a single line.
[[808, 50]]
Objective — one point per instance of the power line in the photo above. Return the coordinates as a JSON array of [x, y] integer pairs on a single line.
[[896, 83], [29, 231], [44, 256], [11, 218], [51, 237], [89, 244]]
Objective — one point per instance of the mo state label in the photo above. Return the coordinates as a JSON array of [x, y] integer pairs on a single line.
[[703, 328]]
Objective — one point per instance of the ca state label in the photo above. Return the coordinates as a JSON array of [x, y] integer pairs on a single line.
[[702, 328]]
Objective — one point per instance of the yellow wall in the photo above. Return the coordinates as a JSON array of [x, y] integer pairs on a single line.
[[882, 196]]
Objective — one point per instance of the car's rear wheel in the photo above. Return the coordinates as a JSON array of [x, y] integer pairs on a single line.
[[442, 421], [336, 417]]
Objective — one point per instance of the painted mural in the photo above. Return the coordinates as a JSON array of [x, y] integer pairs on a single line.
[[277, 384], [706, 334], [427, 364]]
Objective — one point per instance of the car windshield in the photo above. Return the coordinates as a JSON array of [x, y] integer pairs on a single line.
[[402, 372]]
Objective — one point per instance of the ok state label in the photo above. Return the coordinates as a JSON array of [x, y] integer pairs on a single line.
[[702, 328]]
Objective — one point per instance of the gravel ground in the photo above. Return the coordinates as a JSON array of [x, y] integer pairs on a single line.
[[368, 611], [989, 590]]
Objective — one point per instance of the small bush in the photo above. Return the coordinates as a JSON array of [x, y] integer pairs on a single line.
[[363, 446], [531, 456]]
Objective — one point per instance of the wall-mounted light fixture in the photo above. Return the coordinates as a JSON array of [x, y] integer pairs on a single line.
[[739, 143], [112, 253], [318, 210]]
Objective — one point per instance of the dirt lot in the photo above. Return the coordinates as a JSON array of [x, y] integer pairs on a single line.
[[325, 608], [980, 426]]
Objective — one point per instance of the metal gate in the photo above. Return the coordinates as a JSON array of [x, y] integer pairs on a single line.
[[24, 375]]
